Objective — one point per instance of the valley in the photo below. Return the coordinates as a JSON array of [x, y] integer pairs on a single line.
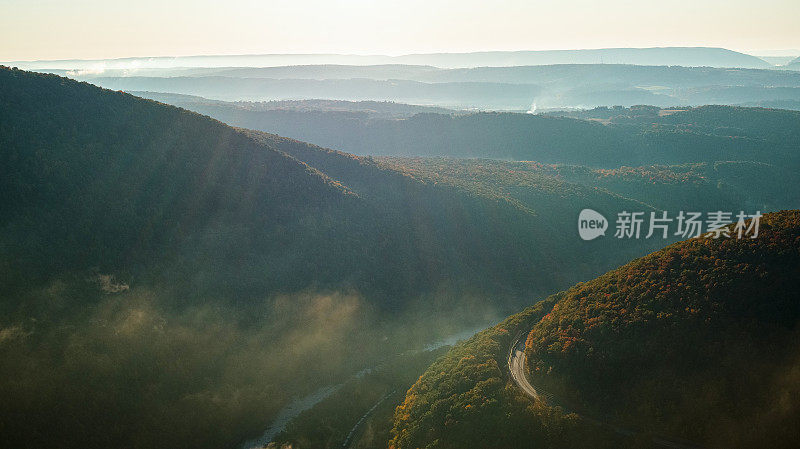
[[383, 250]]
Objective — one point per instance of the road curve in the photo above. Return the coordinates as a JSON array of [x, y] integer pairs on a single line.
[[516, 367]]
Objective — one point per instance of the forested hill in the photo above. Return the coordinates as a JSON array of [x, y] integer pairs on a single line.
[[100, 179], [698, 342], [153, 248], [162, 263]]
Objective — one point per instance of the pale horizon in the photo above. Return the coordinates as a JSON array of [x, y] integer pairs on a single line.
[[95, 29], [763, 53]]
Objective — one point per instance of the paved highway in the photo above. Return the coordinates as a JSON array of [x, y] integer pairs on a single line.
[[516, 365]]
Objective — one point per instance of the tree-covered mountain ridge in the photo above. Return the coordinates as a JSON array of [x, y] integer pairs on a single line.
[[698, 341], [148, 246], [152, 247]]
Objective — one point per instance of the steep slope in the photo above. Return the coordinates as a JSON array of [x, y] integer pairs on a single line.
[[171, 197], [698, 340], [134, 183], [727, 184], [170, 281]]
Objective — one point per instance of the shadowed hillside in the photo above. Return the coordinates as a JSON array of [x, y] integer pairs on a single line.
[[207, 268], [166, 195]]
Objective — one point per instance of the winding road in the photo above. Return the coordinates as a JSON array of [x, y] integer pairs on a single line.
[[516, 367], [363, 418]]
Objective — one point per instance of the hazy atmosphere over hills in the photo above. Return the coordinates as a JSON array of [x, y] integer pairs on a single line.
[[179, 215], [499, 88], [687, 56], [399, 225], [391, 241]]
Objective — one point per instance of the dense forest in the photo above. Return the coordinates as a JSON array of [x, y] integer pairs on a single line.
[[427, 224], [219, 272], [464, 399], [697, 341], [150, 246], [149, 191]]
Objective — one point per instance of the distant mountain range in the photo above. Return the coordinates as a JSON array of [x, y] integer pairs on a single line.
[[684, 56], [496, 88], [638, 136]]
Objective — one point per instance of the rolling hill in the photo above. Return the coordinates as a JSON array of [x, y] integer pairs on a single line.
[[148, 246], [136, 185], [722, 185], [218, 272], [697, 341]]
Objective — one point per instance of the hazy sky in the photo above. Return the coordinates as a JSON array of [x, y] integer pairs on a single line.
[[51, 29]]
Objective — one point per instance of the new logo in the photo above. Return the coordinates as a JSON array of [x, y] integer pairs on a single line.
[[591, 224]]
